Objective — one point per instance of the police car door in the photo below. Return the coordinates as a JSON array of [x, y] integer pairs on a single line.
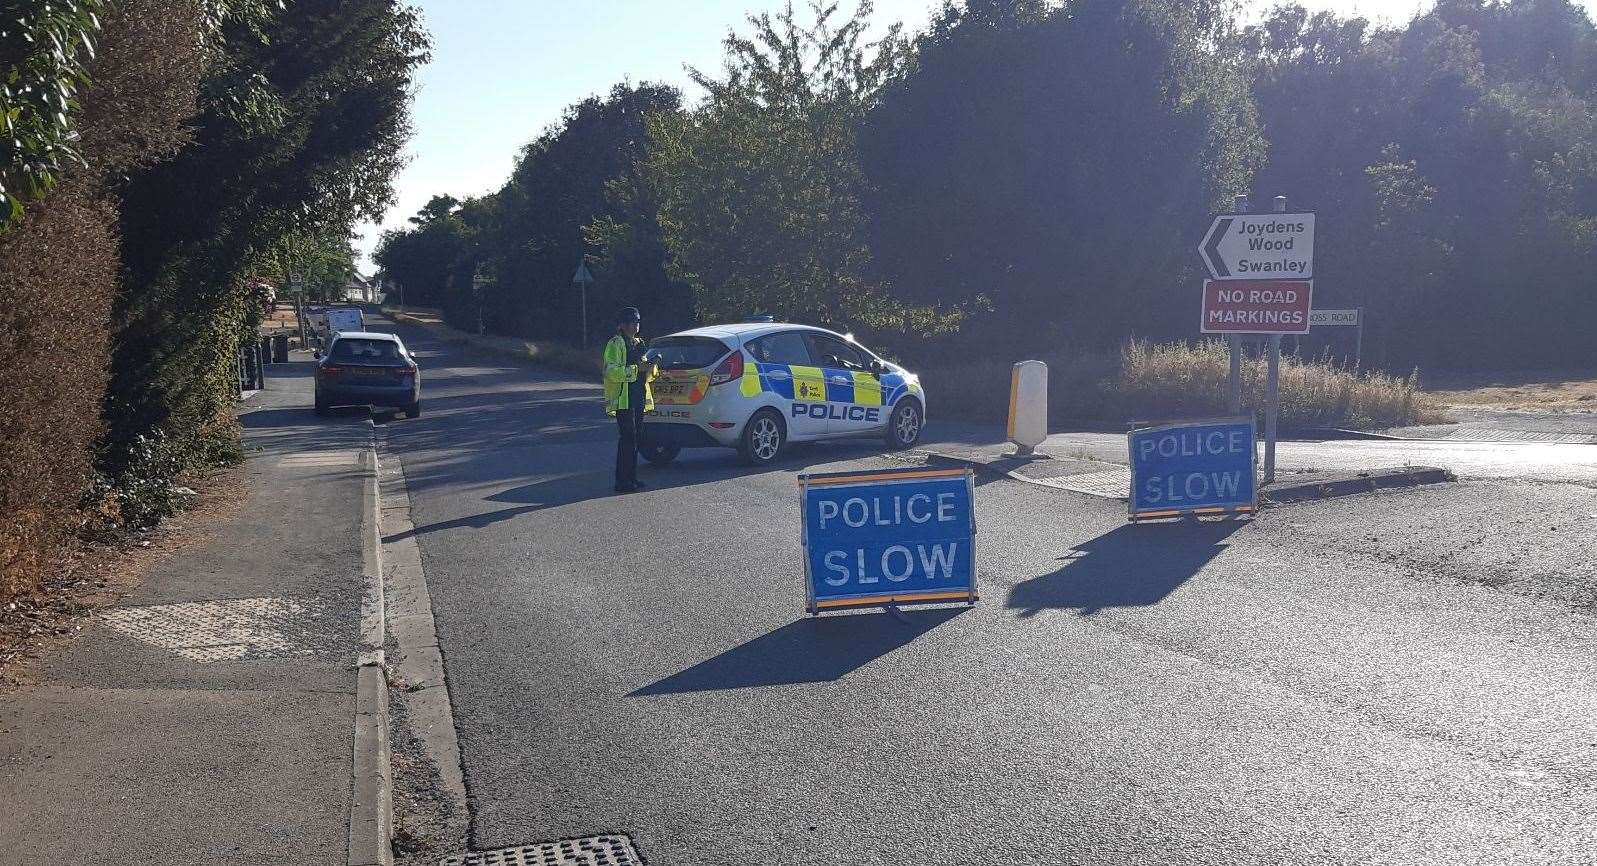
[[786, 370], [853, 395]]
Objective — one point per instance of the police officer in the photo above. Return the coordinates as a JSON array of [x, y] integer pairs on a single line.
[[627, 394]]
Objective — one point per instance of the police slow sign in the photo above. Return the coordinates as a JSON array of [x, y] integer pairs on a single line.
[[896, 536], [1193, 467]]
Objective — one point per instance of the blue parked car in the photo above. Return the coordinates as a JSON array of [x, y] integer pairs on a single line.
[[362, 368]]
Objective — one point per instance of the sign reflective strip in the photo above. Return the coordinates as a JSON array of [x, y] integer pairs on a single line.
[[897, 476], [1240, 509], [873, 600]]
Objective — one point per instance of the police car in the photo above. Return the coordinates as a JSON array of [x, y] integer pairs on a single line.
[[757, 386]]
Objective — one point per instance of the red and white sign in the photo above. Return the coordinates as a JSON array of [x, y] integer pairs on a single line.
[[1257, 306]]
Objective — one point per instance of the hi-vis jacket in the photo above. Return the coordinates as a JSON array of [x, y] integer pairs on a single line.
[[618, 374]]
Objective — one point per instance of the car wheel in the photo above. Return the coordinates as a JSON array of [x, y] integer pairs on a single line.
[[413, 410], [659, 454], [904, 425], [763, 438]]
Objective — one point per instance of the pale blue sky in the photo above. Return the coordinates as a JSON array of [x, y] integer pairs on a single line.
[[502, 70]]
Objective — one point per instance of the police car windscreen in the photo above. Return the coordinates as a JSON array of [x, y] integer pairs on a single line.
[[686, 353]]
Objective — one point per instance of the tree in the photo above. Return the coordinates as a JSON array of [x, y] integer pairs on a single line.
[[300, 131], [423, 258], [1450, 162], [1058, 162], [759, 189], [558, 188]]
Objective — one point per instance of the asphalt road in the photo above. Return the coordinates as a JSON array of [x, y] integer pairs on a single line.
[[1336, 682], [1531, 461]]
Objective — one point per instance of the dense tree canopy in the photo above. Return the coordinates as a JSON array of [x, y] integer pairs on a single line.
[[301, 133], [1453, 164], [170, 154], [1038, 173], [1059, 161]]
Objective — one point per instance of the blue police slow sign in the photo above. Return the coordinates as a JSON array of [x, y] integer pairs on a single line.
[[889, 537], [1193, 467]]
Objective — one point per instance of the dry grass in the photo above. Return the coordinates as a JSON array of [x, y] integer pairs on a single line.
[[558, 356], [1557, 391], [1150, 382]]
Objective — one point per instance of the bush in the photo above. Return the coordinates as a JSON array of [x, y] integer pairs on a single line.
[[57, 276], [1158, 381]]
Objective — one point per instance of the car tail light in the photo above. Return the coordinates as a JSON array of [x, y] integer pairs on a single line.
[[729, 370], [405, 372], [329, 370]]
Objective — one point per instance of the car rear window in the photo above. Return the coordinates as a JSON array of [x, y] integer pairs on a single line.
[[357, 350], [686, 353]]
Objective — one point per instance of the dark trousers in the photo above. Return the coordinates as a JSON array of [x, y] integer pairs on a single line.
[[629, 422]]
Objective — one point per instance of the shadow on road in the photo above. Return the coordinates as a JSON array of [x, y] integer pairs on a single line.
[[1135, 565], [811, 650]]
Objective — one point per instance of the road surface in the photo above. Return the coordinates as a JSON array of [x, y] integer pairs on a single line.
[[1406, 677]]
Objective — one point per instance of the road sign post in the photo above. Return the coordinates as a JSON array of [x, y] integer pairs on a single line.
[[888, 537], [1262, 270], [1273, 246], [1191, 468], [478, 281], [582, 278], [1240, 205], [1257, 306], [1351, 318]]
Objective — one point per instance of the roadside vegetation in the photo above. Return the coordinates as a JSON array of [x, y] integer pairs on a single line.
[[1166, 381], [165, 159], [1022, 176]]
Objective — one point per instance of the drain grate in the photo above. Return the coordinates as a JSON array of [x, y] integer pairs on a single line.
[[609, 850], [1109, 483]]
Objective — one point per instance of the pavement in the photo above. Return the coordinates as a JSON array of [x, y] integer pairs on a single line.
[[207, 717], [1401, 677], [1485, 424], [1470, 459]]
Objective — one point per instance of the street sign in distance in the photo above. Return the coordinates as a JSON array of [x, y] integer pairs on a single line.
[[888, 537], [1193, 467], [1334, 317], [1257, 306], [583, 275], [1260, 246]]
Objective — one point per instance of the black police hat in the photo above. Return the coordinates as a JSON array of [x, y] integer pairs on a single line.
[[630, 314]]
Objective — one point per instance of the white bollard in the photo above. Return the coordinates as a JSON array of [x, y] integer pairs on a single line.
[[1028, 405]]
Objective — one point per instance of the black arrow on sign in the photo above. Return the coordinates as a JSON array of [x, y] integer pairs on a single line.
[[1211, 248]]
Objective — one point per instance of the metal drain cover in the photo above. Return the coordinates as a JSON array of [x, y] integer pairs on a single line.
[[609, 850]]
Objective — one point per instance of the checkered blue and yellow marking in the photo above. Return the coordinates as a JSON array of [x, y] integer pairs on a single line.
[[805, 384]]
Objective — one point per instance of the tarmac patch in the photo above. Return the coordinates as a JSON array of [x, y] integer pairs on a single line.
[[220, 631], [319, 459]]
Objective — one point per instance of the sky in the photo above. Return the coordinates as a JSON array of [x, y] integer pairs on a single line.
[[503, 70]]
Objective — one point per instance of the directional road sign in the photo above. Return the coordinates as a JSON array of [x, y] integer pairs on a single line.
[[1260, 246], [1257, 306], [1193, 467], [583, 275], [889, 537], [1334, 317]]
